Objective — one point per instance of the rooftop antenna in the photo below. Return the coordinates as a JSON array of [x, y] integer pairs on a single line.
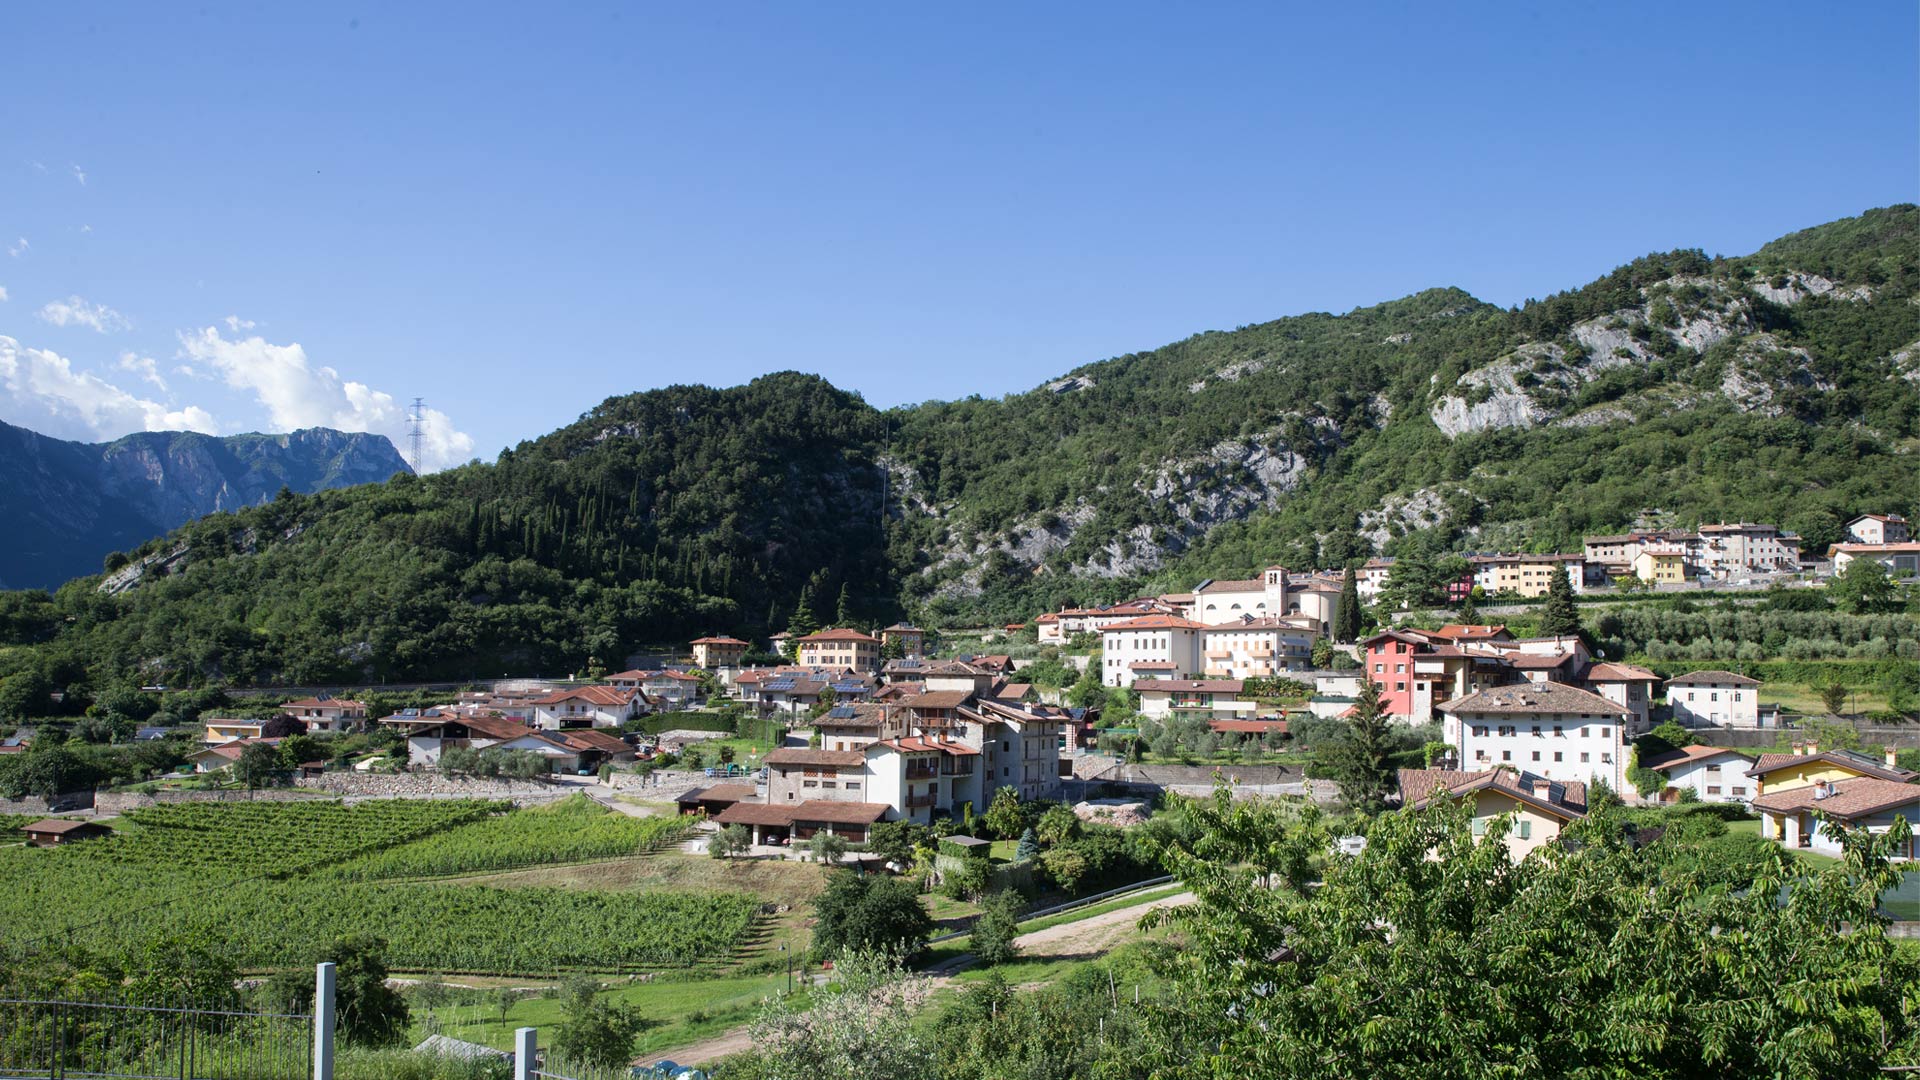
[[416, 432]]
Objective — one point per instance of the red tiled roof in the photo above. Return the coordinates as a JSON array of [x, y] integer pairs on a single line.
[[839, 634], [1711, 677], [1417, 788], [719, 641], [1534, 698], [1203, 686], [938, 699], [1610, 672], [795, 755], [1663, 762], [755, 813], [597, 695], [60, 826], [1775, 762], [1469, 632], [1851, 798], [594, 739], [1154, 622], [920, 744], [834, 812], [719, 793], [324, 703]]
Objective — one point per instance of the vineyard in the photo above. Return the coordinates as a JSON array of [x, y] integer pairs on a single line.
[[277, 882], [575, 829]]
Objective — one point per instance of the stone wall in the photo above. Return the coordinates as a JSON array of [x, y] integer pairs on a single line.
[[119, 802], [59, 804], [429, 785]]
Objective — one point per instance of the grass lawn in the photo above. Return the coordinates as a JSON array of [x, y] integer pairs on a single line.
[[1806, 699], [746, 752], [679, 1012], [1810, 857]]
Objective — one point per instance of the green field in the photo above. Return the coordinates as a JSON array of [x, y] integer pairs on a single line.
[[275, 883]]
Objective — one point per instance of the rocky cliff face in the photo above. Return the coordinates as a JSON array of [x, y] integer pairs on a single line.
[[70, 504]]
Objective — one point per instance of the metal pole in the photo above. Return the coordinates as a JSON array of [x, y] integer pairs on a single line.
[[523, 1050], [323, 976]]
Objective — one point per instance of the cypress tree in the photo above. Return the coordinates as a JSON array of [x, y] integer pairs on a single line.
[[842, 616], [1559, 616], [1346, 611], [1362, 759]]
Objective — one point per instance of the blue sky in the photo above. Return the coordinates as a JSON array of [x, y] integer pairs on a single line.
[[255, 216]]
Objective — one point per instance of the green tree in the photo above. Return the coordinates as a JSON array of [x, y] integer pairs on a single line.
[[258, 765], [1559, 615], [367, 1012], [897, 841], [1469, 612], [729, 840], [1005, 816], [1864, 589], [297, 750], [1834, 697], [25, 694], [805, 619], [827, 848], [864, 1030], [1361, 760], [1029, 847], [869, 913], [597, 1031], [992, 935], [1322, 657], [1346, 610], [1059, 825], [1432, 921], [843, 609]]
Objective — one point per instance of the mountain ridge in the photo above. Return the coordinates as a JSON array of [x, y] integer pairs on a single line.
[[74, 503], [1779, 386]]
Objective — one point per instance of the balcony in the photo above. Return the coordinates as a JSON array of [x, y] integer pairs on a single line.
[[919, 802], [922, 772]]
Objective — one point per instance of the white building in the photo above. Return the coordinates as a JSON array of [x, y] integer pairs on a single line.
[[1627, 686], [1898, 558], [1793, 817], [1210, 699], [1558, 732], [1731, 550], [1154, 646], [1264, 597], [1718, 698], [1712, 773], [1537, 808], [1256, 649], [585, 706], [1878, 529]]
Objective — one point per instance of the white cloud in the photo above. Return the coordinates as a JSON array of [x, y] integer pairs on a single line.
[[38, 166], [3, 294], [75, 311], [18, 247], [84, 229], [45, 393], [299, 395], [236, 324], [80, 175], [143, 366]]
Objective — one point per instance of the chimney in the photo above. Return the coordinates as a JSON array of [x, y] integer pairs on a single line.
[[1543, 788], [1893, 758], [1821, 790], [1813, 749]]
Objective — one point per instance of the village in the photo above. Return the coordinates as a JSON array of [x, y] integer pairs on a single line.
[[858, 727]]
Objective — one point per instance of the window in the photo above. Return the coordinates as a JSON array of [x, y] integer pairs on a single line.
[[1379, 669], [1740, 791], [1526, 829], [1715, 696], [1536, 755], [1606, 757], [1536, 730], [1399, 686], [1584, 756], [1713, 789], [1605, 731], [1479, 755], [809, 783], [1479, 732], [1507, 729], [1479, 826], [1399, 669], [1506, 755], [1583, 733], [1558, 756], [853, 785]]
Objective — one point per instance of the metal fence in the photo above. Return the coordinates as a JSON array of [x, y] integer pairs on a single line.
[[57, 1040]]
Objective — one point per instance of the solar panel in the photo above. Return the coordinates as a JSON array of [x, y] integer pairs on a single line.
[[842, 712]]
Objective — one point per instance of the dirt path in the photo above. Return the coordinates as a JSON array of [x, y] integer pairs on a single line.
[[1083, 938]]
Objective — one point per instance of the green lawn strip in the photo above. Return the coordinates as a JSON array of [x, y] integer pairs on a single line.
[[681, 1011], [958, 947]]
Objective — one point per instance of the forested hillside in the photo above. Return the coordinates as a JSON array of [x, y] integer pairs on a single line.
[[1781, 386]]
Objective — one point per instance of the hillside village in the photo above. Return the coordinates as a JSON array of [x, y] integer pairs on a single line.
[[879, 729]]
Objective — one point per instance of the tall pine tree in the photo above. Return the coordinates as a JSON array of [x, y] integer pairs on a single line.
[[1559, 616], [842, 611], [1362, 759], [1346, 611]]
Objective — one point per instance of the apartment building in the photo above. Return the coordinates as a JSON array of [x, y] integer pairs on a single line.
[[849, 650]]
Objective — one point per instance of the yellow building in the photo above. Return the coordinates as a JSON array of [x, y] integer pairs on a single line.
[[1661, 566], [226, 731], [1539, 808], [839, 648], [1807, 766]]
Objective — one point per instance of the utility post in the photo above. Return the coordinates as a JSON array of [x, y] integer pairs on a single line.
[[323, 980], [524, 1040]]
